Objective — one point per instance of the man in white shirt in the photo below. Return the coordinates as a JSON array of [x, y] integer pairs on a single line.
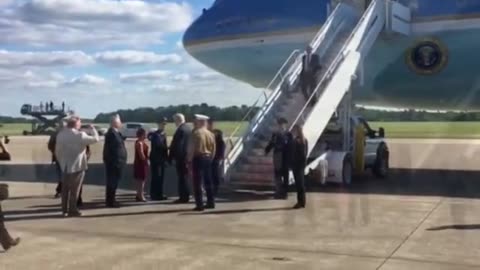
[[71, 154]]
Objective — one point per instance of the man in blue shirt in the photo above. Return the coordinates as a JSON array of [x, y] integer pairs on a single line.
[[158, 157]]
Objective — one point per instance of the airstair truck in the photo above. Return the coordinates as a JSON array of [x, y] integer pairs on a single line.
[[342, 44]]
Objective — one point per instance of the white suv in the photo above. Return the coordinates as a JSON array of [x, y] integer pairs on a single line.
[[129, 130]]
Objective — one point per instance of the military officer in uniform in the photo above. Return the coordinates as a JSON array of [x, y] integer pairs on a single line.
[[158, 157], [200, 156]]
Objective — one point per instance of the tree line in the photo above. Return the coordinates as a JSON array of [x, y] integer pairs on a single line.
[[14, 120], [151, 115], [417, 116], [237, 113]]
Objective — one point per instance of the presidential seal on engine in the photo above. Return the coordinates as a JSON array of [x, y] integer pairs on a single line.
[[427, 57]]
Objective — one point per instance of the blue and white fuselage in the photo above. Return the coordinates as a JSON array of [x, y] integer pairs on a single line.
[[434, 68]]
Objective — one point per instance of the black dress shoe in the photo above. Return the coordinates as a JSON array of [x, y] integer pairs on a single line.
[[280, 196], [113, 205], [10, 244], [15, 242], [161, 198], [180, 201], [210, 206], [198, 209], [75, 214], [298, 206]]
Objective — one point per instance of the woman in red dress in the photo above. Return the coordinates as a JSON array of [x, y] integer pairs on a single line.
[[140, 164]]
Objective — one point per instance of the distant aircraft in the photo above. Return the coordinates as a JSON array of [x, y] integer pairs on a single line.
[[436, 67]]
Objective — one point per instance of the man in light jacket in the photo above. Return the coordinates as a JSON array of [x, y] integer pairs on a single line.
[[70, 151]]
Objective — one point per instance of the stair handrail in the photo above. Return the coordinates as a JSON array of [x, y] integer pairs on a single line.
[[336, 62], [321, 34], [232, 154], [316, 41], [293, 73], [264, 94]]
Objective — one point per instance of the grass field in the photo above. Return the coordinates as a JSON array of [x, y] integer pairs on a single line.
[[446, 130], [451, 130]]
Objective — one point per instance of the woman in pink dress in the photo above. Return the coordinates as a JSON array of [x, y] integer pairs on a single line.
[[140, 164]]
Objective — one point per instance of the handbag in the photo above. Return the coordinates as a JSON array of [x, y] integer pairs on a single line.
[[3, 192]]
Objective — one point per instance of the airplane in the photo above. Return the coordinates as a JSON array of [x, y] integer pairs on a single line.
[[434, 68]]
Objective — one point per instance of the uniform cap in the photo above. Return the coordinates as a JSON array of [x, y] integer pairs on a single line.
[[201, 117]]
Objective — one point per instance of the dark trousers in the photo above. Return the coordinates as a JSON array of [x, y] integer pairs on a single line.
[[182, 174], [157, 173], [58, 171], [281, 174], [299, 175], [281, 181], [308, 83], [5, 238], [114, 174], [202, 174], [216, 175]]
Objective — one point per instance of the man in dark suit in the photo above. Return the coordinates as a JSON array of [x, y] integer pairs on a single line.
[[51, 147], [178, 153], [115, 159], [158, 157], [218, 158], [308, 76], [280, 143]]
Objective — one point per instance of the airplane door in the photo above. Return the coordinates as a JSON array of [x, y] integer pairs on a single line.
[[361, 4]]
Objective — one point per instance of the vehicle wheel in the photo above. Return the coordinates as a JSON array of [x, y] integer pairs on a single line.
[[347, 170], [382, 164]]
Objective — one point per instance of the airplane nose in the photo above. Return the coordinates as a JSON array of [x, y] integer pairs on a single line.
[[200, 29], [189, 35]]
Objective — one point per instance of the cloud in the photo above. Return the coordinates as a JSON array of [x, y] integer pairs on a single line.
[[179, 45], [106, 51], [11, 59], [208, 75], [92, 22], [199, 77], [54, 80], [86, 79], [43, 84], [182, 77], [116, 58], [15, 59], [163, 88], [145, 77], [4, 3]]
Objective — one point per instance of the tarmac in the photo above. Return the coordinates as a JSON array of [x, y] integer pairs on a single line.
[[424, 216]]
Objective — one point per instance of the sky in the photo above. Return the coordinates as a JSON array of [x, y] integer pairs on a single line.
[[104, 55]]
